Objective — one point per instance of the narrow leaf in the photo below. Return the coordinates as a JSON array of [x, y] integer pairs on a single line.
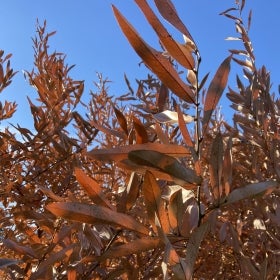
[[179, 52], [162, 97], [141, 133], [168, 11], [171, 117], [94, 214], [215, 91], [154, 203], [23, 250], [121, 153], [92, 188], [158, 63], [193, 248], [121, 119], [250, 190], [7, 262], [134, 247], [167, 164]]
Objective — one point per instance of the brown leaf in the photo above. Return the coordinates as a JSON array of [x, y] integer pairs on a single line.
[[93, 189], [121, 153], [134, 247], [183, 128], [216, 164], [132, 190], [141, 133], [179, 52], [168, 11], [193, 248], [121, 119], [158, 63], [23, 250], [162, 97], [154, 203], [227, 167], [215, 91], [94, 214], [7, 262], [48, 262], [250, 191], [165, 163]]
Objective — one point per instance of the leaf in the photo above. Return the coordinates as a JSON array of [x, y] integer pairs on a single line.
[[154, 203], [250, 191], [121, 119], [175, 210], [168, 11], [94, 214], [178, 51], [183, 128], [132, 190], [165, 163], [48, 262], [215, 166], [215, 91], [141, 133], [227, 167], [134, 247], [162, 97], [7, 262], [92, 188], [158, 63], [23, 250], [121, 153], [193, 248], [171, 117]]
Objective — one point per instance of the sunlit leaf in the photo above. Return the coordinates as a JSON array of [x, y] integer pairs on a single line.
[[154, 203], [121, 153], [178, 51], [165, 163], [215, 91], [168, 11], [158, 63], [121, 119], [93, 214], [92, 188], [171, 117], [141, 133]]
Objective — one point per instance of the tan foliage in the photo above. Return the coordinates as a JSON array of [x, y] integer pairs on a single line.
[[151, 184]]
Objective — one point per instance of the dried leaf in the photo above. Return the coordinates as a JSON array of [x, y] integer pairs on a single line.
[[183, 128], [162, 97], [179, 52], [154, 203], [7, 262], [47, 264], [121, 119], [23, 250], [227, 167], [215, 91], [92, 188], [121, 153], [141, 133], [167, 164], [193, 248], [168, 11], [94, 214], [250, 191], [171, 117], [134, 247], [158, 63], [132, 190]]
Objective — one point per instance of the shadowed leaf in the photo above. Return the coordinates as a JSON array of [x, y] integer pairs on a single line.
[[7, 262], [93, 214], [141, 133], [193, 248], [250, 191], [23, 250], [121, 119]]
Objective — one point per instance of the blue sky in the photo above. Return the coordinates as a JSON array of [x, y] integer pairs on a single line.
[[88, 34]]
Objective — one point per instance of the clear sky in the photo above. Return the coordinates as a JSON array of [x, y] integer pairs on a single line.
[[88, 34]]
